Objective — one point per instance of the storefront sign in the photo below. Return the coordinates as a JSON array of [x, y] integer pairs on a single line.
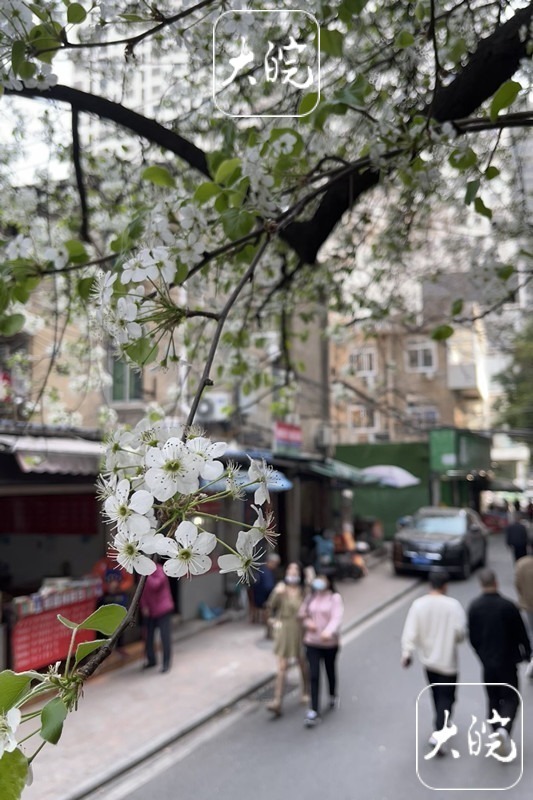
[[40, 639], [287, 438]]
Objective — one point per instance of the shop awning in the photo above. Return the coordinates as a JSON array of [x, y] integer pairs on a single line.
[[331, 468], [50, 455]]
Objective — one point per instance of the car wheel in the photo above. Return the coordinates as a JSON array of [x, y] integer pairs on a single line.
[[466, 566], [397, 570]]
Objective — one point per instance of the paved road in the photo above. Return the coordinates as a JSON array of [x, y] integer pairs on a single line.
[[365, 750]]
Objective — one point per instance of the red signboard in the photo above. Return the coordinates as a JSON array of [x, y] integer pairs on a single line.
[[287, 438], [40, 639], [71, 514]]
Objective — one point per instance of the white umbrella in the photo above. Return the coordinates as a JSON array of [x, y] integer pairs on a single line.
[[390, 475]]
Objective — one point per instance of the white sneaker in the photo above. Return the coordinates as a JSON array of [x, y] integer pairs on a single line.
[[433, 743], [311, 719], [505, 741], [529, 670]]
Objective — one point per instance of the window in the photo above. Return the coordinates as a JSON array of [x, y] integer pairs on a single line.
[[127, 383], [421, 357], [423, 417], [363, 362], [362, 417]]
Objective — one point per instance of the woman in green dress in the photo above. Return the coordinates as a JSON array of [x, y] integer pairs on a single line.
[[284, 604]]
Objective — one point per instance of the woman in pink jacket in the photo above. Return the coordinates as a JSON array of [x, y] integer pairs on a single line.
[[321, 614], [157, 606]]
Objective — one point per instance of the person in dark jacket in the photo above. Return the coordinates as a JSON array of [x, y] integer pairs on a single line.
[[498, 635], [517, 539]]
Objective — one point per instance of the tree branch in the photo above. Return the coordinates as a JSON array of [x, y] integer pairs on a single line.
[[130, 120], [496, 59], [76, 157]]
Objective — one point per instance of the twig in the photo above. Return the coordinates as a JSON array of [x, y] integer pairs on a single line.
[[76, 157]]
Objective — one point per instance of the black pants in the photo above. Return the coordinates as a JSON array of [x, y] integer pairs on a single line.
[[443, 696], [163, 623], [500, 698], [314, 656]]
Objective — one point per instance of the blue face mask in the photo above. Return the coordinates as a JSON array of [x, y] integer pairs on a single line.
[[319, 585]]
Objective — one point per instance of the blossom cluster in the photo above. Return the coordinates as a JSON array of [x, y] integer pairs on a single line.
[[156, 476]]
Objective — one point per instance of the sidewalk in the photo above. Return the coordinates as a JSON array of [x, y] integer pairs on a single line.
[[126, 715]]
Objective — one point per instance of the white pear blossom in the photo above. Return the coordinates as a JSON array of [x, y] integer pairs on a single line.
[[187, 552], [260, 472], [244, 562], [129, 551], [172, 468], [9, 723], [208, 451], [265, 525], [128, 513], [103, 289]]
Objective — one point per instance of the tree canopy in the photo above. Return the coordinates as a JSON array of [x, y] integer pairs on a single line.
[[168, 215]]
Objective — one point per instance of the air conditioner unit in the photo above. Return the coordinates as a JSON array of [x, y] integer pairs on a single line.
[[323, 437], [214, 407]]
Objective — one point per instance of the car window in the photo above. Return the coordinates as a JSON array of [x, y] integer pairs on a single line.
[[436, 524]]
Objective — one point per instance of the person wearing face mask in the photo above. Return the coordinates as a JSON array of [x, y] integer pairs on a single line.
[[284, 604], [321, 614]]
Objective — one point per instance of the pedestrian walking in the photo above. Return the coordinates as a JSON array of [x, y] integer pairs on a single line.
[[499, 637], [434, 626], [321, 614], [260, 591], [284, 604], [157, 606], [516, 536], [524, 586]]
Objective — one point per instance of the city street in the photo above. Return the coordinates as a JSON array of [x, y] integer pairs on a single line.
[[366, 749]]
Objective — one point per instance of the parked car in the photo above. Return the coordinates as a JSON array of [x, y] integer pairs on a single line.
[[451, 539]]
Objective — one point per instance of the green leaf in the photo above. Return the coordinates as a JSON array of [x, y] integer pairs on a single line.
[[457, 307], [463, 159], [142, 352], [181, 273], [227, 170], [206, 191], [27, 70], [76, 14], [85, 287], [504, 97], [86, 648], [160, 176], [45, 40], [39, 12], [505, 272], [105, 619], [237, 223], [350, 8], [421, 11], [66, 622], [308, 103], [13, 686], [53, 716], [132, 18], [18, 55], [331, 42], [77, 254], [13, 775], [481, 208], [471, 191], [404, 39], [491, 172], [442, 332], [11, 325]]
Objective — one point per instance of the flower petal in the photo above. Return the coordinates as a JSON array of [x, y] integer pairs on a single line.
[[141, 501], [176, 567], [186, 534], [229, 563], [205, 543], [143, 565], [199, 564], [136, 525]]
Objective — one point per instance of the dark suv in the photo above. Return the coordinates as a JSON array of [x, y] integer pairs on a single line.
[[451, 539]]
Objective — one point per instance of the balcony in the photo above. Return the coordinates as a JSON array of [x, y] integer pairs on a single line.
[[466, 378]]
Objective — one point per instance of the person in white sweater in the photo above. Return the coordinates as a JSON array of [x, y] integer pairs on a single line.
[[434, 626]]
